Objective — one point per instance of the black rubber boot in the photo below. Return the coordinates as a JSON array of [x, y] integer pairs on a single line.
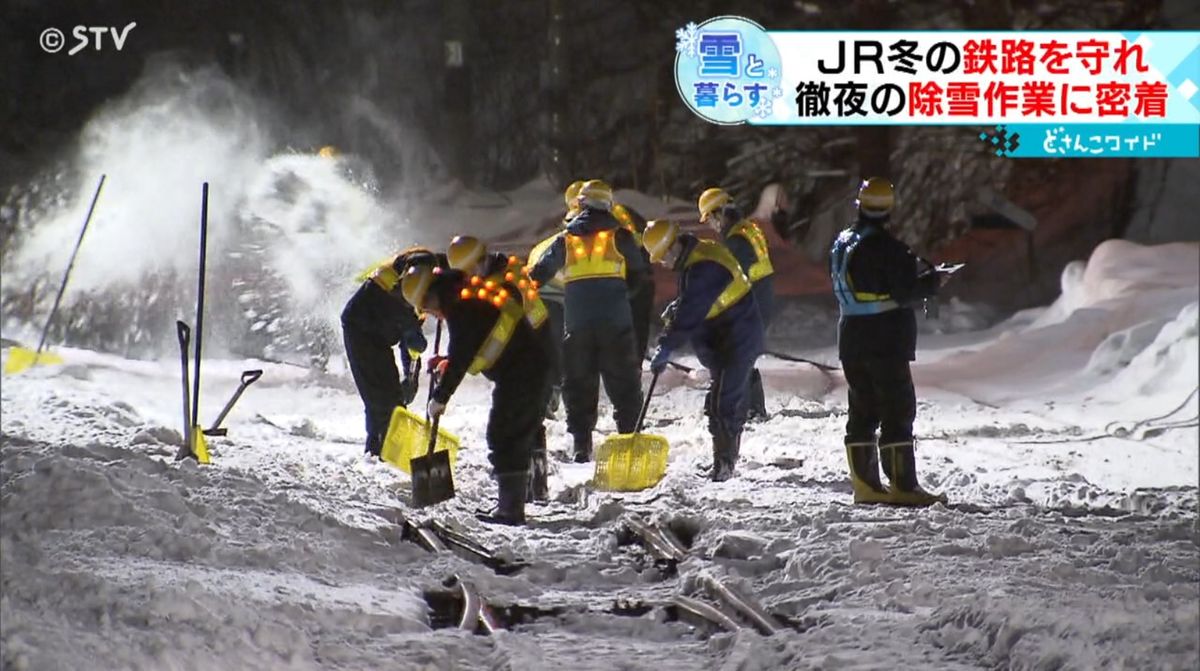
[[510, 509], [900, 465], [374, 445], [539, 488], [864, 473], [725, 455], [583, 448], [757, 399]]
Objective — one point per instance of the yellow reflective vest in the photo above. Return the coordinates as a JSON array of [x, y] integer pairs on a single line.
[[758, 241], [739, 286], [593, 256], [511, 314], [383, 273], [555, 286], [527, 293], [621, 214]]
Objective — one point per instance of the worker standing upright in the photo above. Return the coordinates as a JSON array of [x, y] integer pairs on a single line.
[[877, 280], [749, 246], [600, 260]]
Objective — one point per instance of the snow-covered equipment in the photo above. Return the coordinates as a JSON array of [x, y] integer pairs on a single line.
[[22, 358], [631, 462]]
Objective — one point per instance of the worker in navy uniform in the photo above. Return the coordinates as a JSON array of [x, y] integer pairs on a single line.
[[715, 311], [749, 246], [471, 256], [599, 260], [877, 281], [489, 335], [376, 319]]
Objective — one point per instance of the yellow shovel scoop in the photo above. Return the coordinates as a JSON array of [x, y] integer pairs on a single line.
[[23, 358], [631, 462], [408, 436]]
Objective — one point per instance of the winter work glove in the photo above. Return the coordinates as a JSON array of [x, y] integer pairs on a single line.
[[436, 408], [408, 389], [414, 340], [438, 365], [662, 357], [668, 315]]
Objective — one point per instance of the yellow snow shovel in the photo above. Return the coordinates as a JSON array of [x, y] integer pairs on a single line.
[[408, 437], [631, 462], [22, 358]]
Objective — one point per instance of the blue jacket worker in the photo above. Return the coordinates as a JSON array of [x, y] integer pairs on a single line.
[[715, 310], [748, 244], [599, 261], [376, 319], [877, 280]]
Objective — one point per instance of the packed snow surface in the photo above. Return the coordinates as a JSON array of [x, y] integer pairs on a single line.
[[1064, 437]]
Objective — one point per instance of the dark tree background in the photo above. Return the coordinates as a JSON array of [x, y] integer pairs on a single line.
[[571, 89]]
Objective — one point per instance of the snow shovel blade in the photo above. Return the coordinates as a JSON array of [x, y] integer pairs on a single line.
[[407, 438], [432, 479], [23, 358], [200, 446], [630, 462]]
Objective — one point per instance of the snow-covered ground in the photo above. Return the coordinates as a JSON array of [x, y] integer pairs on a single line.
[[1071, 541]]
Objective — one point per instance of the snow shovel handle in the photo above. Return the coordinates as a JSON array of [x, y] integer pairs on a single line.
[[184, 333], [433, 428], [646, 403], [437, 344], [62, 287], [248, 378]]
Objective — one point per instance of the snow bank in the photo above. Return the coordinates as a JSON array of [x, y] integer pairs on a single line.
[[1111, 310]]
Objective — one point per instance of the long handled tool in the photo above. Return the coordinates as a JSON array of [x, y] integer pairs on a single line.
[[799, 359], [21, 358], [433, 481], [677, 366], [248, 378], [631, 462], [184, 334], [197, 447]]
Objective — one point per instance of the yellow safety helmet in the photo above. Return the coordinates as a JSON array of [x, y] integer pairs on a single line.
[[572, 193], [712, 200], [658, 237], [465, 252], [596, 193], [875, 197], [415, 285]]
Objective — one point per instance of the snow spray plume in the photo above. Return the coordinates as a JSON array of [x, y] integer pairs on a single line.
[[288, 232]]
